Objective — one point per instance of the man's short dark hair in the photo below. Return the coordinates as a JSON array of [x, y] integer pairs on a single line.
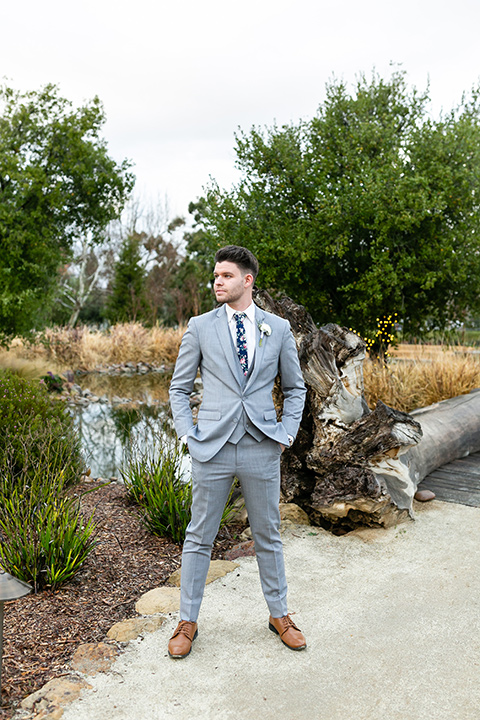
[[246, 260]]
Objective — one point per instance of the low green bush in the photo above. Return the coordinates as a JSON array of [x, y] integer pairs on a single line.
[[30, 422], [44, 539], [156, 481]]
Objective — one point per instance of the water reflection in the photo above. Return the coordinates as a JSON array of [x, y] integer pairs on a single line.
[[109, 431]]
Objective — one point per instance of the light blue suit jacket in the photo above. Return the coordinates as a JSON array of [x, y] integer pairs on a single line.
[[207, 344]]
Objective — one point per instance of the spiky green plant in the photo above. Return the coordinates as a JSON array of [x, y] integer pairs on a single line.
[[44, 538], [156, 480]]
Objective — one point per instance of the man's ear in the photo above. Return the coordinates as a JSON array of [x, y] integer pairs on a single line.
[[248, 280]]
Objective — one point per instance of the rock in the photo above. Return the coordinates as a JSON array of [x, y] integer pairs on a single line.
[[218, 569], [132, 628], [49, 701], [159, 600], [294, 513], [246, 535], [92, 658], [244, 549], [239, 513], [424, 495]]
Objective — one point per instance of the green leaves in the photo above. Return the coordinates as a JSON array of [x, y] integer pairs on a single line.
[[57, 183], [38, 434], [369, 208], [156, 481], [44, 539]]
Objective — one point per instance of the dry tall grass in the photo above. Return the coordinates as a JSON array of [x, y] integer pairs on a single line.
[[31, 369], [82, 348], [407, 385]]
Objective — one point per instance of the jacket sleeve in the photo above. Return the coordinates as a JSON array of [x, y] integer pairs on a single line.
[[184, 375], [292, 384]]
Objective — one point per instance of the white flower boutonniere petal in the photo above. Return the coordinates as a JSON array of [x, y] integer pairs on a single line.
[[265, 329]]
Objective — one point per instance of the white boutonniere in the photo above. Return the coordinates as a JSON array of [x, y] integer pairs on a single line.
[[265, 329]]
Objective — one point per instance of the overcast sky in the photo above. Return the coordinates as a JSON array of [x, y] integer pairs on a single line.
[[177, 79]]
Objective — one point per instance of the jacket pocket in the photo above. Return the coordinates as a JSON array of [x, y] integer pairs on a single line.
[[270, 415], [209, 414]]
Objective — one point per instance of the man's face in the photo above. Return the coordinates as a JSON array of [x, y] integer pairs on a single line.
[[231, 285]]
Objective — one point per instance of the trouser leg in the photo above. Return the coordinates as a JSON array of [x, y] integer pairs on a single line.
[[211, 484], [258, 469]]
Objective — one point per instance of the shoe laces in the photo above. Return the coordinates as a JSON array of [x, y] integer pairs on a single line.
[[185, 627], [287, 622]]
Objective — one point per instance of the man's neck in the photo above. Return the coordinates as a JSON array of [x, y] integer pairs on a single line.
[[240, 305]]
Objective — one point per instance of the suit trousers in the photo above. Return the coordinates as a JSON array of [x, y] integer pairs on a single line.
[[257, 467]]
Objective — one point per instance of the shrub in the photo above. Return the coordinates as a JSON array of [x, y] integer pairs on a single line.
[[44, 539], [156, 481], [36, 431]]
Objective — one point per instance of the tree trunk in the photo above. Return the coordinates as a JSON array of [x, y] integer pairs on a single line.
[[349, 465], [451, 430]]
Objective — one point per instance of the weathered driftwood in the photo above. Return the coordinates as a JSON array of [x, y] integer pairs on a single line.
[[451, 430], [346, 467]]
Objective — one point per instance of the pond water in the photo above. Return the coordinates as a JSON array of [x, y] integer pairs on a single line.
[[128, 412]]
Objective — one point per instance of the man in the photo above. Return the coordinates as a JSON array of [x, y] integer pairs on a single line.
[[240, 350]]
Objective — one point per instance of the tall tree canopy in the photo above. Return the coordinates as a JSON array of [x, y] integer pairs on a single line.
[[57, 183], [370, 208]]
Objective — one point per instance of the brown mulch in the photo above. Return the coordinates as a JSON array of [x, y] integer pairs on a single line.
[[42, 632]]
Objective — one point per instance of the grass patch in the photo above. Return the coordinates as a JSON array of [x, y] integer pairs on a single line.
[[410, 384], [84, 348]]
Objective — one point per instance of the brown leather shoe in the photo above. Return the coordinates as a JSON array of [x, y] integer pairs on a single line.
[[181, 641], [289, 633]]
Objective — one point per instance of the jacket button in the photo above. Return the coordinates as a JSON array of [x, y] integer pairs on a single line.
[[235, 420]]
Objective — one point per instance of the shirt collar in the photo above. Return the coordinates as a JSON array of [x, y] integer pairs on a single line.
[[249, 312]]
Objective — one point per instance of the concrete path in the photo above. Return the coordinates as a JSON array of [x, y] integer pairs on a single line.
[[392, 620]]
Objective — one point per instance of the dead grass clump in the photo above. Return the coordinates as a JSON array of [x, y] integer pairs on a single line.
[[165, 343], [407, 385], [63, 344], [93, 350], [82, 348], [32, 369], [127, 342]]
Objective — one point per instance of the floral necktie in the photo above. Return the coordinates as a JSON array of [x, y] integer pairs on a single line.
[[241, 341]]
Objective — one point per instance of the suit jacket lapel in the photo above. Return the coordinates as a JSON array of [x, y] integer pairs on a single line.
[[226, 345]]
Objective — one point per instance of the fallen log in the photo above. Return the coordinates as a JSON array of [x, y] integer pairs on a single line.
[[451, 430], [349, 465]]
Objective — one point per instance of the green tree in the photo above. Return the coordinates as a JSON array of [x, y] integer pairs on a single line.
[[369, 208], [57, 184], [127, 299], [193, 278]]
